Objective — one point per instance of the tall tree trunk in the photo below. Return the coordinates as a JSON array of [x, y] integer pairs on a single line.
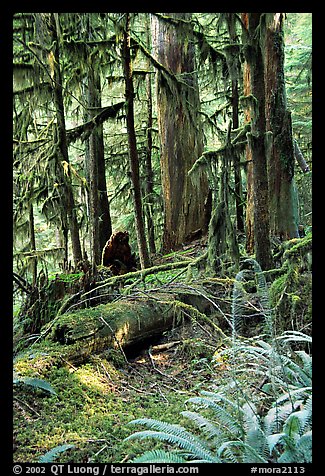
[[67, 193], [283, 199], [249, 225], [32, 241], [148, 163], [257, 144], [180, 133], [100, 219], [133, 153], [234, 74]]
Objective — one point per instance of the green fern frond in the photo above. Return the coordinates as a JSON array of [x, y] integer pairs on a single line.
[[35, 383], [304, 448], [51, 455], [254, 435], [248, 453], [194, 449], [159, 456], [210, 429], [294, 336], [239, 297], [175, 434], [224, 417]]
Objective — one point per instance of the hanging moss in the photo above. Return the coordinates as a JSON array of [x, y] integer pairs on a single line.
[[290, 293], [232, 52]]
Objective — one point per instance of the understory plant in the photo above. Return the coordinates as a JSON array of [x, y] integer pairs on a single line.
[[232, 423]]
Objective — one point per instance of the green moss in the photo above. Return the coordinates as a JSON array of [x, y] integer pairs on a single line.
[[91, 410], [290, 294]]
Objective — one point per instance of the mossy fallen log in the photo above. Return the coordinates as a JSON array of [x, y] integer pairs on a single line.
[[116, 324], [129, 321]]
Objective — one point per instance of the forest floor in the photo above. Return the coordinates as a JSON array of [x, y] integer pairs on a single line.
[[95, 400]]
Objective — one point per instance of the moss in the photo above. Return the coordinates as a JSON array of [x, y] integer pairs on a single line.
[[92, 408], [290, 294]]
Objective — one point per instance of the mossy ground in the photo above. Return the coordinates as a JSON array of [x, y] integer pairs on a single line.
[[95, 401], [97, 398]]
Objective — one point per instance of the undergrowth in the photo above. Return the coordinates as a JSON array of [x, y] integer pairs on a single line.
[[232, 424]]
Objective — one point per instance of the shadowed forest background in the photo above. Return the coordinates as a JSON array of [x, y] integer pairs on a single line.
[[162, 167]]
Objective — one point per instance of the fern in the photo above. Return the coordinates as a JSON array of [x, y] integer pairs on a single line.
[[34, 383], [174, 434], [159, 456], [232, 430], [240, 296], [51, 455]]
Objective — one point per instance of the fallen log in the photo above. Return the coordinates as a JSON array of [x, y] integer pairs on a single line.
[[127, 322]]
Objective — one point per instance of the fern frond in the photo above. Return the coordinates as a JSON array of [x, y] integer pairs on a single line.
[[239, 297], [304, 448], [172, 429], [35, 383], [159, 456], [51, 455], [211, 430], [224, 417], [248, 453], [294, 336], [254, 435], [194, 449]]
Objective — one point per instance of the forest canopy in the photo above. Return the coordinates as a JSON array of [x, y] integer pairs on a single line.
[[162, 167]]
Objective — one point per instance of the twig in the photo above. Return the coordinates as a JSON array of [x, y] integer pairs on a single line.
[[115, 338], [157, 370], [166, 346], [20, 402]]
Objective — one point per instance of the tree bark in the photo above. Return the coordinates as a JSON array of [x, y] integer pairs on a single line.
[[129, 322], [67, 193], [133, 153], [249, 225], [234, 74], [283, 200], [257, 144], [32, 241], [148, 163], [180, 133], [101, 227]]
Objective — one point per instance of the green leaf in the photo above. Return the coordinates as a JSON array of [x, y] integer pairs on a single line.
[[54, 453], [35, 383]]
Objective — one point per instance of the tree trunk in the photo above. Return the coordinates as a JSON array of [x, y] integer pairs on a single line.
[[133, 153], [148, 164], [249, 226], [234, 74], [129, 322], [283, 199], [257, 144], [67, 193], [180, 133], [100, 220], [32, 241]]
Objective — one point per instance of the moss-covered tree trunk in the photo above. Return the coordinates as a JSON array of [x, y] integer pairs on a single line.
[[249, 220], [100, 219], [234, 71], [148, 163], [283, 200], [63, 155], [180, 131], [256, 140], [133, 153]]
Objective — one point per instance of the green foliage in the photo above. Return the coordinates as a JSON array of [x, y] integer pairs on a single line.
[[237, 432], [240, 297], [232, 428], [34, 383], [51, 455]]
